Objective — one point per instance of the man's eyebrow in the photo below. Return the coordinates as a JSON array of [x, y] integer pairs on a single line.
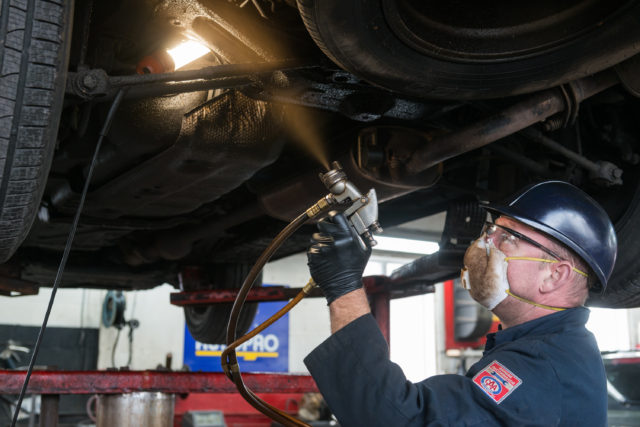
[[557, 245], [512, 221], [524, 228]]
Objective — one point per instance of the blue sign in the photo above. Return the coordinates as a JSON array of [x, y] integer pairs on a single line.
[[266, 352]]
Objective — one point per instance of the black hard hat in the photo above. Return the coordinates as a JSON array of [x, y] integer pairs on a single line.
[[572, 217]]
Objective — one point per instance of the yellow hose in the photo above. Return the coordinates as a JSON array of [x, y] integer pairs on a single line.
[[228, 358]]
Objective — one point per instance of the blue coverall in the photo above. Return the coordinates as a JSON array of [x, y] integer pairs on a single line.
[[545, 372]]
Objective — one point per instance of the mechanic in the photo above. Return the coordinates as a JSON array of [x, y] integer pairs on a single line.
[[532, 268]]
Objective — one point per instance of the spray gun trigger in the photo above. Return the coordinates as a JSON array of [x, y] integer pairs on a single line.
[[362, 243]]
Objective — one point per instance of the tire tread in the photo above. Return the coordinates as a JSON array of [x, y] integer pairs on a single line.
[[33, 47]]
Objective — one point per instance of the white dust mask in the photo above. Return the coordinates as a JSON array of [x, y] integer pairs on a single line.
[[485, 273]]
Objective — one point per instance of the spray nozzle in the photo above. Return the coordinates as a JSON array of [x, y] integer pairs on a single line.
[[362, 212], [335, 180]]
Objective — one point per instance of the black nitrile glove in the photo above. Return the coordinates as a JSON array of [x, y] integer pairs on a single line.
[[336, 259]]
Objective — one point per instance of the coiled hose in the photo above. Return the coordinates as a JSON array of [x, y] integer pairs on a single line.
[[228, 358]]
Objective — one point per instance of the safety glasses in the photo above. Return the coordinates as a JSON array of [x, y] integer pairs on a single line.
[[502, 234]]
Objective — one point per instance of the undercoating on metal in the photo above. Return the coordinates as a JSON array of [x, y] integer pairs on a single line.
[[285, 201], [196, 169], [97, 271], [193, 178], [341, 92], [177, 242], [141, 129]]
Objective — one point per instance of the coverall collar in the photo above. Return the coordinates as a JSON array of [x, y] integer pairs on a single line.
[[549, 324]]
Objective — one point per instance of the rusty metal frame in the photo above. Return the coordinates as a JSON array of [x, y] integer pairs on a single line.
[[115, 382]]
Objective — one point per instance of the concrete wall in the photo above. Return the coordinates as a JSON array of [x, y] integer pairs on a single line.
[[161, 332], [161, 324], [72, 308]]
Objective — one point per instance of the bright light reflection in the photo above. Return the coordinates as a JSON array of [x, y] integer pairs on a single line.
[[408, 246], [187, 52]]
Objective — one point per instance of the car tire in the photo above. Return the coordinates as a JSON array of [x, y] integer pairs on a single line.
[[623, 288], [208, 323], [370, 39], [34, 50]]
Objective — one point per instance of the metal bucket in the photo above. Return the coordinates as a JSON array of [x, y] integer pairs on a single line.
[[142, 409]]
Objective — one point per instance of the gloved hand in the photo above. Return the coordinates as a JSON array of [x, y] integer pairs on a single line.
[[336, 259]]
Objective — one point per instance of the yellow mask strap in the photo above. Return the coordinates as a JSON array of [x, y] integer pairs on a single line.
[[550, 261], [548, 307]]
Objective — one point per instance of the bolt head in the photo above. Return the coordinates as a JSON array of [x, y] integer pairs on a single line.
[[89, 81]]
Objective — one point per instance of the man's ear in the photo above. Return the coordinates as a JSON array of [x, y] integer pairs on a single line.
[[560, 274]]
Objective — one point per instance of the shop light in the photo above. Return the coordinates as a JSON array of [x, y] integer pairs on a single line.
[[187, 52], [407, 246]]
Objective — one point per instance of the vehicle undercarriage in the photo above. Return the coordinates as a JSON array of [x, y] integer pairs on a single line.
[[432, 104]]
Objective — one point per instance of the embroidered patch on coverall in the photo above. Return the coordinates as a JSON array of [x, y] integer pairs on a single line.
[[496, 381]]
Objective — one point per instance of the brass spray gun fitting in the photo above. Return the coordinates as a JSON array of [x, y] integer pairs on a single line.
[[362, 213]]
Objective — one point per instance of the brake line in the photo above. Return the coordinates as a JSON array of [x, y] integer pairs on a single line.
[[228, 357], [67, 248]]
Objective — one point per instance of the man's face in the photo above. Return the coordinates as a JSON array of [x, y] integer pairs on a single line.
[[523, 276], [487, 272]]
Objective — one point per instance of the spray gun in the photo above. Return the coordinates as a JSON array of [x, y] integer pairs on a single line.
[[363, 212], [362, 215]]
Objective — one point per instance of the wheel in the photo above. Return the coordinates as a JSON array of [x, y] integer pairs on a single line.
[[623, 289], [208, 324], [34, 50], [472, 50]]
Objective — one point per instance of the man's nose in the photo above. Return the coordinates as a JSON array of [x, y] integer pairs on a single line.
[[490, 238], [496, 238]]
